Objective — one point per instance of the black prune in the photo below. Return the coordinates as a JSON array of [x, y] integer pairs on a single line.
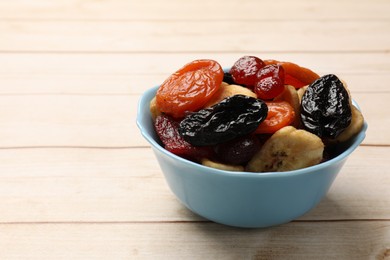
[[167, 130], [325, 107], [232, 117], [239, 150], [227, 77]]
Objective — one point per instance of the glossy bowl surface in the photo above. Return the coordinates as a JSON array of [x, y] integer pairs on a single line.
[[242, 199]]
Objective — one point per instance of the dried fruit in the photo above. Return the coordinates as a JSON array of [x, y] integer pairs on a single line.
[[222, 166], [259, 116], [290, 95], [270, 81], [239, 150], [286, 150], [167, 130], [227, 77], [354, 127], [245, 69], [300, 93], [280, 114], [325, 107], [295, 75], [227, 91], [154, 112], [233, 117], [189, 88]]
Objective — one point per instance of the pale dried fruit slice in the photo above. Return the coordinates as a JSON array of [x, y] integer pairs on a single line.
[[227, 90], [286, 150], [290, 95], [349, 92], [300, 92], [222, 166], [354, 128], [154, 112]]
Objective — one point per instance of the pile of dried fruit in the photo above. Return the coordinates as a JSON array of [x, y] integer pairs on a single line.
[[261, 116]]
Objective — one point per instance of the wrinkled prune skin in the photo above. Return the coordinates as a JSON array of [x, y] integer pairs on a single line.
[[167, 130], [325, 107], [233, 117]]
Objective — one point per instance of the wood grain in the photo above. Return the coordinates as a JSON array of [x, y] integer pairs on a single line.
[[143, 64], [77, 180], [205, 10], [58, 84], [190, 36], [127, 185], [109, 121], [337, 240]]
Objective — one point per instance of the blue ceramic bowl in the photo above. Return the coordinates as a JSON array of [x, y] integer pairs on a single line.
[[242, 199]]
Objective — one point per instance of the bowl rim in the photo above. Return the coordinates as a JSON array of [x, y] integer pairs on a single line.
[[150, 93]]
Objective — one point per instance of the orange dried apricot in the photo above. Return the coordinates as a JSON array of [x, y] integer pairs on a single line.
[[295, 75], [280, 114], [189, 88]]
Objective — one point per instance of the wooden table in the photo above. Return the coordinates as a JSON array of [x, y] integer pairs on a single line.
[[77, 180]]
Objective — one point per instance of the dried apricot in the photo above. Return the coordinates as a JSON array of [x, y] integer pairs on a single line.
[[295, 75], [189, 88], [280, 114]]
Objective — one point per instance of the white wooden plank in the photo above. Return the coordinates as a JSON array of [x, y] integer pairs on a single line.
[[106, 203], [363, 178], [80, 84], [124, 64], [85, 185], [109, 121], [106, 185], [188, 10], [69, 121], [340, 240], [137, 84], [190, 36]]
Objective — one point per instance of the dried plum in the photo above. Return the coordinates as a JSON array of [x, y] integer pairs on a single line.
[[167, 130], [239, 150], [325, 107], [233, 117], [227, 77]]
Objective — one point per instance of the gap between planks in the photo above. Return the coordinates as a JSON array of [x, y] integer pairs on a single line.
[[241, 52], [175, 20], [73, 147], [114, 147], [172, 222], [116, 94]]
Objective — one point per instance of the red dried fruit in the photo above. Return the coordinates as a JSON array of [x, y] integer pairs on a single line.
[[167, 130], [295, 75], [270, 82], [245, 69]]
